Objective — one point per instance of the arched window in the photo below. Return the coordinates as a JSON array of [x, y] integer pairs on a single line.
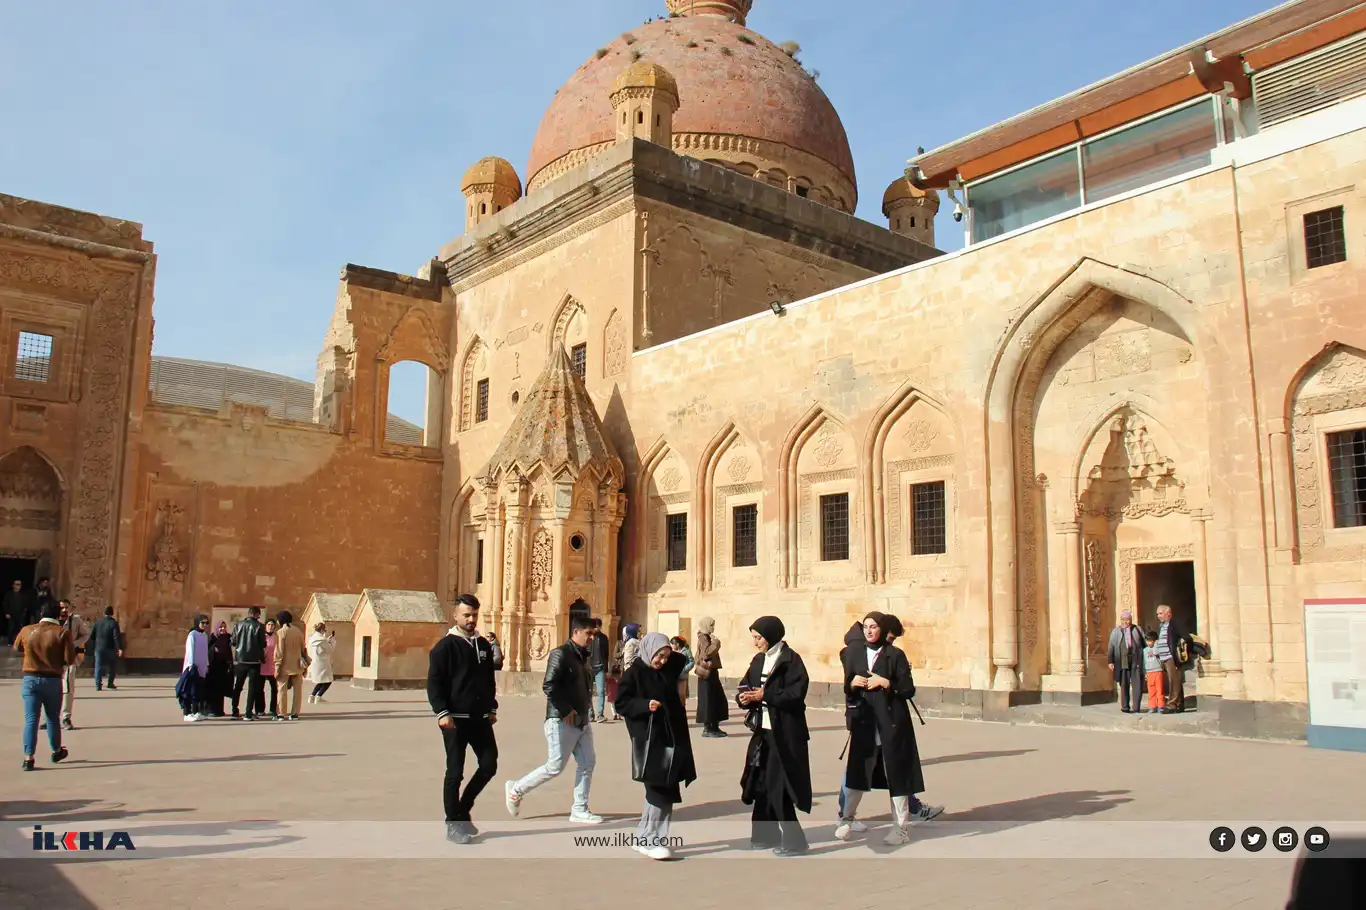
[[483, 208], [414, 407], [640, 116]]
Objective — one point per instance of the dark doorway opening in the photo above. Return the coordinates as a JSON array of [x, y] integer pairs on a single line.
[[25, 570], [1170, 583]]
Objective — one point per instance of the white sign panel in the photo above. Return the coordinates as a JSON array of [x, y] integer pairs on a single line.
[[1335, 651]]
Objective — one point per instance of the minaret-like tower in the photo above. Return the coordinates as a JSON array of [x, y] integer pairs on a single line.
[[910, 211], [734, 10], [489, 187], [644, 100]]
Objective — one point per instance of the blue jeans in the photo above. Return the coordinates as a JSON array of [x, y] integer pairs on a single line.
[[600, 693], [42, 693], [105, 662], [563, 740]]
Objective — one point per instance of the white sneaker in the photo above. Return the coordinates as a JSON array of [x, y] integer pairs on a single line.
[[897, 836], [191, 718], [312, 699], [584, 818], [925, 813], [513, 798], [857, 826], [844, 829], [660, 852]]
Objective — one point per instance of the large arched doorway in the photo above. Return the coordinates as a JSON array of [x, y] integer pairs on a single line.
[[31, 501]]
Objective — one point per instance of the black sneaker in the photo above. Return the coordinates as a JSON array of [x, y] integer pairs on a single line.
[[790, 851], [250, 717], [456, 833], [114, 687], [293, 717], [68, 725], [28, 764], [236, 716], [59, 755]]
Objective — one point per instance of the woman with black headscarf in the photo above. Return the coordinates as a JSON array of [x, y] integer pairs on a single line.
[[219, 684], [882, 750], [661, 753], [777, 775]]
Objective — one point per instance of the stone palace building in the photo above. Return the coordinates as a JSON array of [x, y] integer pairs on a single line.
[[670, 372]]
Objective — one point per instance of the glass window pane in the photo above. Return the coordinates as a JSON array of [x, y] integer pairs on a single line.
[[1347, 476], [678, 542], [745, 547], [835, 527], [1150, 152], [1033, 193], [929, 519]]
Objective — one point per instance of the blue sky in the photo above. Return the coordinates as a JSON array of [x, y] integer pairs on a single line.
[[263, 145]]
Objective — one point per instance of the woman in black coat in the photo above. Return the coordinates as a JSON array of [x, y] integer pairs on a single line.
[[647, 696], [711, 697], [777, 775], [883, 754], [218, 685]]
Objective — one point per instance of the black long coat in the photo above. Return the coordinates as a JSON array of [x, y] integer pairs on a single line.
[[639, 685], [886, 716], [788, 763]]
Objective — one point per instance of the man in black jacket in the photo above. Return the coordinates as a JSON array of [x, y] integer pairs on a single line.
[[106, 639], [567, 731], [248, 650], [599, 653], [463, 695]]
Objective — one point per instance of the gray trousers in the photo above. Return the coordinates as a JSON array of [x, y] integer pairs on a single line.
[[1131, 684], [654, 825]]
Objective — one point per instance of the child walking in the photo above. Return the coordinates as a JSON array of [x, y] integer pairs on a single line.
[[1152, 665]]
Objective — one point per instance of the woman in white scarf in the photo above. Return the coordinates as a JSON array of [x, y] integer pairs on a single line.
[[320, 647]]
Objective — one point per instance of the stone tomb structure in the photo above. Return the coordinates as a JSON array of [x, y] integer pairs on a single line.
[[336, 610], [394, 631], [671, 373]]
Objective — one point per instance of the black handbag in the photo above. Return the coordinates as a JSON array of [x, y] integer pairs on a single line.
[[652, 761]]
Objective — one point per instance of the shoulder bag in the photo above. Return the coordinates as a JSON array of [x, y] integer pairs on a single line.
[[652, 760]]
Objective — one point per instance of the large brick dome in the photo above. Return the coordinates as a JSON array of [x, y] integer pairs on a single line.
[[745, 103]]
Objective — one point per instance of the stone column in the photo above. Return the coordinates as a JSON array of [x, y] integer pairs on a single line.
[[1282, 483], [514, 563], [1199, 524], [493, 565], [1069, 533]]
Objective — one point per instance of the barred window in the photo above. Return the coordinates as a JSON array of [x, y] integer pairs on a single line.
[[366, 650], [834, 527], [678, 542], [1325, 238], [928, 519], [34, 360], [481, 401], [745, 546], [579, 356], [479, 561], [1347, 477]]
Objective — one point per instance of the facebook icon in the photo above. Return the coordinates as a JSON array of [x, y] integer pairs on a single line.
[[1222, 839]]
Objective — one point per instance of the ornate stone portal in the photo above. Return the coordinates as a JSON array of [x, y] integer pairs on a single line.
[[554, 483]]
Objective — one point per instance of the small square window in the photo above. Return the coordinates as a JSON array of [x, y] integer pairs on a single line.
[[803, 190], [1347, 477], [1325, 238], [481, 401], [33, 362], [479, 561], [366, 645], [745, 546], [835, 527], [579, 357], [928, 519], [678, 542]]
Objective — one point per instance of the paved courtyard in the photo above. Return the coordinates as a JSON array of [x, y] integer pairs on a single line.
[[342, 809]]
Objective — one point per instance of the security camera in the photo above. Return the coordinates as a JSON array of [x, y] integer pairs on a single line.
[[958, 212]]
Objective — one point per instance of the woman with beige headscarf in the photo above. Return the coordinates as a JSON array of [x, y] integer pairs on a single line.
[[711, 698]]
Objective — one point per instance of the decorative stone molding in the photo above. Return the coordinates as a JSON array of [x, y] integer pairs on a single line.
[[542, 563], [469, 366], [1096, 553], [1335, 382], [564, 315], [614, 348], [1128, 558], [166, 557], [720, 529], [896, 534]]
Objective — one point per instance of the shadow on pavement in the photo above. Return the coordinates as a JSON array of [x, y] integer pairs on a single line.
[[255, 756], [973, 756], [70, 810], [27, 885]]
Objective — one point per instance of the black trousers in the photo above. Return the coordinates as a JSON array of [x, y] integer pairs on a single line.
[[251, 675], [1132, 682], [774, 822], [477, 734], [260, 702], [321, 688]]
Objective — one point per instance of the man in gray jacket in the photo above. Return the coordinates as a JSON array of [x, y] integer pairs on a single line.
[[106, 640], [1125, 655]]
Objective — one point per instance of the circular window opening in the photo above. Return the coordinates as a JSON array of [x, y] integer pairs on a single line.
[[516, 396], [576, 542]]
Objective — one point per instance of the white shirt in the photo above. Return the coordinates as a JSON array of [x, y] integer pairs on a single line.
[[770, 658], [873, 654]]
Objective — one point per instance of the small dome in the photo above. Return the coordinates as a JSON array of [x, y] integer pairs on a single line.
[[901, 188], [734, 10], [495, 171], [644, 74]]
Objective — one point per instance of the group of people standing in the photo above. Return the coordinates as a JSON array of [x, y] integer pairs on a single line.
[[643, 677], [1158, 657], [219, 665]]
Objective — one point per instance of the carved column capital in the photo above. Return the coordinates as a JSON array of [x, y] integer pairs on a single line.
[[1067, 527]]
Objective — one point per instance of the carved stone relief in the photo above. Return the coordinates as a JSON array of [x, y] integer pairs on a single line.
[[808, 552], [1338, 384], [897, 537], [1097, 556], [474, 359], [166, 557], [614, 346], [1129, 557], [722, 529], [739, 468], [542, 559], [828, 445], [1133, 479], [920, 435], [537, 643]]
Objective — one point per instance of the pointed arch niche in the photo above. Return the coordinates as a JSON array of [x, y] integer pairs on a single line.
[[912, 450], [1104, 487], [474, 369], [569, 329], [664, 492], [1327, 413], [470, 552], [730, 513], [32, 505], [820, 493]]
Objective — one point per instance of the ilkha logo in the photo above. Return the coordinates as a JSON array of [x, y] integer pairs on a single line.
[[80, 840]]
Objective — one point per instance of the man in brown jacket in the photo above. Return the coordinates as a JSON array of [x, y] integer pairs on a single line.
[[48, 650], [290, 661]]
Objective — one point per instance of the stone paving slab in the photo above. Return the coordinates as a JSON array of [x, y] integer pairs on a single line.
[[376, 757]]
